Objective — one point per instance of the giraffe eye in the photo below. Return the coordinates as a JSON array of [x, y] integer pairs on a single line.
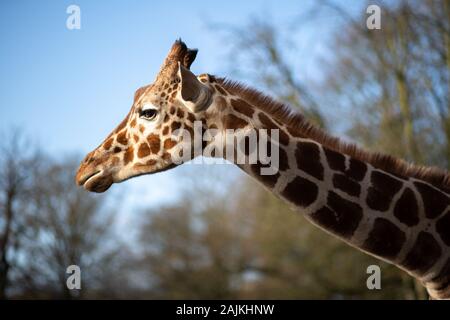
[[148, 114]]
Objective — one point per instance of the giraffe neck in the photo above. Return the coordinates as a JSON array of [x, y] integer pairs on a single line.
[[398, 219]]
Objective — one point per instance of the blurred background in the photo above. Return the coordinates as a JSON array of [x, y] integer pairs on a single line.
[[203, 231]]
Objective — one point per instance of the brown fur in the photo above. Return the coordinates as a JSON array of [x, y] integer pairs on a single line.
[[108, 144], [296, 122]]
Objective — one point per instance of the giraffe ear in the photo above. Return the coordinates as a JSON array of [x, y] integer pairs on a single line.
[[189, 57], [194, 94]]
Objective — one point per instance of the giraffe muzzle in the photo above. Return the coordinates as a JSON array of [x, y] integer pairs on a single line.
[[93, 180], [94, 174], [82, 177], [96, 181]]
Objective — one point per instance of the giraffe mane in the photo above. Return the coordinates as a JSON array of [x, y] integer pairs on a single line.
[[297, 123]]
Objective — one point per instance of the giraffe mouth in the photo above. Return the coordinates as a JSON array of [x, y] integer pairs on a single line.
[[97, 181]]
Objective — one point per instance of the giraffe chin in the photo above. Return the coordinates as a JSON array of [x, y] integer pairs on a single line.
[[98, 183]]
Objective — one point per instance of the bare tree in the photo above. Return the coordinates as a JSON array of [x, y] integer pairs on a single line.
[[47, 224], [19, 162], [395, 81], [258, 51], [73, 227]]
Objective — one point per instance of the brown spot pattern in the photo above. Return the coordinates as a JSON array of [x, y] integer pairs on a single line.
[[423, 255], [169, 144], [336, 160], [300, 191], [265, 120], [143, 150], [128, 156], [220, 89], [154, 142], [242, 107], [406, 209], [434, 201], [383, 188], [385, 239], [308, 159], [122, 138], [180, 113], [175, 126], [166, 118], [246, 147], [268, 180], [346, 184], [357, 169], [340, 216], [233, 122], [284, 138], [191, 117], [269, 124], [282, 160], [108, 144]]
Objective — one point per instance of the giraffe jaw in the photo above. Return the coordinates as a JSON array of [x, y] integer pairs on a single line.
[[97, 182]]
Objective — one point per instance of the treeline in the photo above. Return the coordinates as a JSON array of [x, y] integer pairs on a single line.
[[48, 224]]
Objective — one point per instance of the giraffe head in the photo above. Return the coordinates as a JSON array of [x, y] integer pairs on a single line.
[[149, 139]]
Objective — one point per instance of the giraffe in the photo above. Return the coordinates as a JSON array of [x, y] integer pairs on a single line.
[[384, 206]]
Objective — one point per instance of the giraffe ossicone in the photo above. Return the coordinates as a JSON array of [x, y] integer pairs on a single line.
[[384, 206]]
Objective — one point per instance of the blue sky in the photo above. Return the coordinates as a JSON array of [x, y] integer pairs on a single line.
[[69, 88]]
